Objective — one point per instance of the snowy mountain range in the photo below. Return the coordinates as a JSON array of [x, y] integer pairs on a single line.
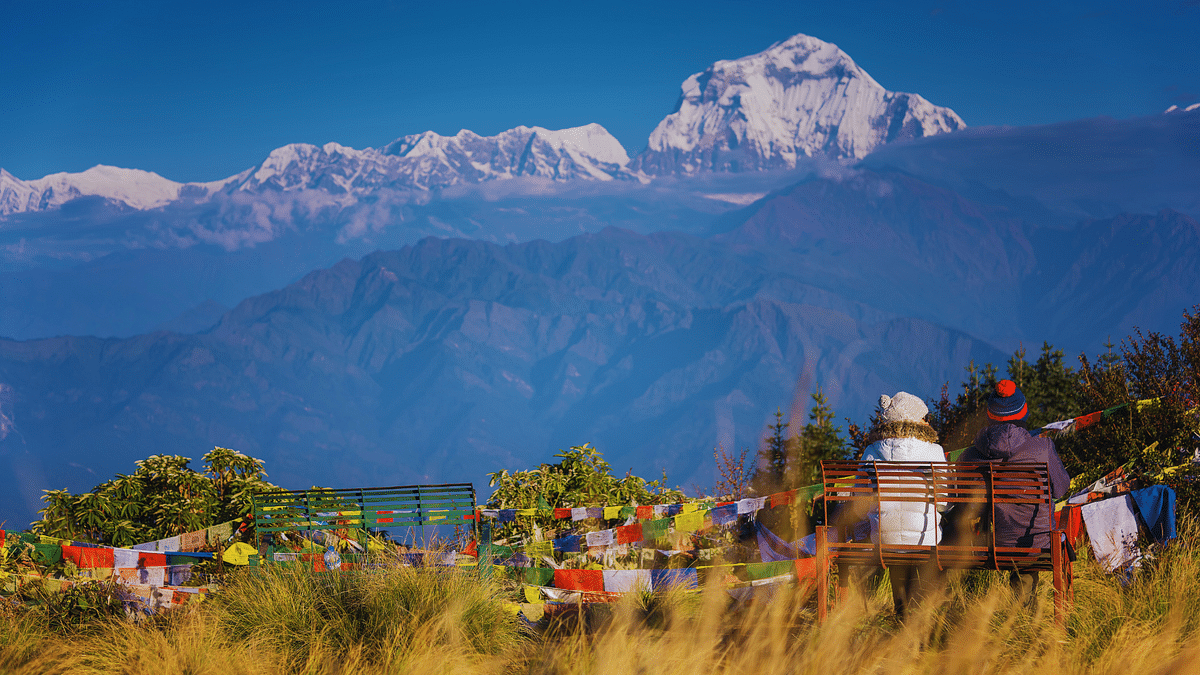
[[800, 98]]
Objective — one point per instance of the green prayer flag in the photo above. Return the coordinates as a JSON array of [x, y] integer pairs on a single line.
[[654, 529], [766, 570], [628, 511], [46, 554], [539, 576]]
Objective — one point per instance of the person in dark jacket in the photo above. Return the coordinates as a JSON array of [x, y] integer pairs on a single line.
[[1005, 439]]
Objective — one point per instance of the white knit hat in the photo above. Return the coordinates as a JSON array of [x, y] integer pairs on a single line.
[[902, 407]]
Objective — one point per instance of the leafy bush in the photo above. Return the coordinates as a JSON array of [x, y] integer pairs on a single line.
[[161, 499], [582, 478]]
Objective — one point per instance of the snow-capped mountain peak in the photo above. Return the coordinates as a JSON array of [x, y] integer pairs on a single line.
[[137, 188], [801, 97]]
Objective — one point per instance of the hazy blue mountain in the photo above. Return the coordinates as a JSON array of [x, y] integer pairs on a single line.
[[449, 358]]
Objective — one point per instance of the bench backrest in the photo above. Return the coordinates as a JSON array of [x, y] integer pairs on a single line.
[[359, 509], [863, 485]]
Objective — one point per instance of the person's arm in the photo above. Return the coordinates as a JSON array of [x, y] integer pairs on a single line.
[[1060, 480]]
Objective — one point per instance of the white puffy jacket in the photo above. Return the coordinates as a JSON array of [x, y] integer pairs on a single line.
[[905, 522]]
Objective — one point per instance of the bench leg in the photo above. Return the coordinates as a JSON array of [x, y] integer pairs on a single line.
[[822, 571], [1057, 559]]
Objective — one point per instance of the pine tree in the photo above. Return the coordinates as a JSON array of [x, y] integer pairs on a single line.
[[771, 467], [820, 440]]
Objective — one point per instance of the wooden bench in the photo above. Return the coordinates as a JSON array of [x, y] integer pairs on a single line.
[[852, 489], [356, 510]]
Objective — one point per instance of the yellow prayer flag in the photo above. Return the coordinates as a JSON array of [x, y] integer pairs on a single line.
[[612, 512], [533, 611], [239, 554], [690, 507], [533, 594], [689, 522], [526, 512]]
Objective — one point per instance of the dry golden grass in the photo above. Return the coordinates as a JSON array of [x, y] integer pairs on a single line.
[[1150, 626]]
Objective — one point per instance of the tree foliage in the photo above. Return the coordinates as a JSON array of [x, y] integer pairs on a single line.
[[582, 478], [1157, 441], [162, 498], [771, 466], [819, 440]]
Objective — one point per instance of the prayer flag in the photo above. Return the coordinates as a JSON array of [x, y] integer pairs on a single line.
[[539, 548], [192, 541], [579, 580], [783, 498], [644, 512], [724, 515], [806, 568], [690, 507], [1088, 420], [526, 512], [745, 506], [612, 512], [562, 513], [508, 515], [625, 581], [654, 529], [219, 533], [689, 522], [46, 554], [125, 557], [601, 538], [533, 594], [538, 576], [661, 580], [87, 558], [179, 574], [595, 512], [579, 513], [629, 534], [766, 570], [629, 511], [490, 513], [146, 559], [660, 510], [568, 544], [169, 544], [674, 509]]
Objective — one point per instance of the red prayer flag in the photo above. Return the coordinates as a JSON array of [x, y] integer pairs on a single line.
[[1088, 420], [179, 597], [644, 513], [628, 534], [579, 580], [385, 520], [562, 513], [86, 557], [783, 498], [806, 568], [152, 559]]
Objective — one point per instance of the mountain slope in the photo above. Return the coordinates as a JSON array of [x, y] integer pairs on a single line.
[[450, 358]]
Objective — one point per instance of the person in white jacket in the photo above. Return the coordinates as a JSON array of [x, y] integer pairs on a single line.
[[904, 436]]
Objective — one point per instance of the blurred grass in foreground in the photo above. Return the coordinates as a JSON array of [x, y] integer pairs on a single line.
[[420, 621]]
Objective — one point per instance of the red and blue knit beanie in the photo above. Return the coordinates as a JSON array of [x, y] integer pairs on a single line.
[[1008, 403]]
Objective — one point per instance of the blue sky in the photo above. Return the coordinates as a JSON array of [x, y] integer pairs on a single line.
[[200, 91]]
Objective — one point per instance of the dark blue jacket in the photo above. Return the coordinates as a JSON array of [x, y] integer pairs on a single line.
[[1023, 525]]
